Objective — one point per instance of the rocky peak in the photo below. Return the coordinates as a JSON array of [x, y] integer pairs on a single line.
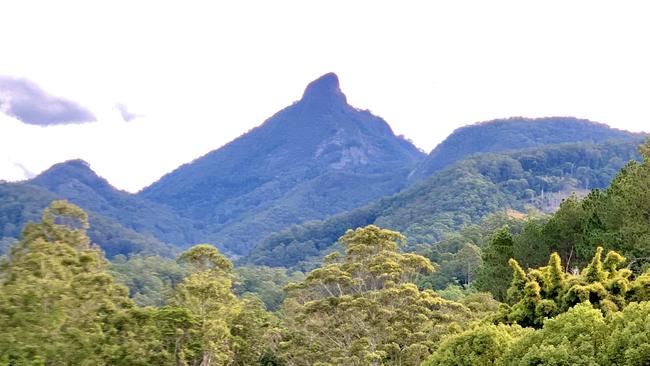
[[324, 93]]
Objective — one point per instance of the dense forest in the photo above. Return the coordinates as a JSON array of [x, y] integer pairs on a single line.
[[460, 196], [502, 135], [504, 287]]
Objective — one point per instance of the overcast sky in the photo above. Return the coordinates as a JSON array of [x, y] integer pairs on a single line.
[[138, 88]]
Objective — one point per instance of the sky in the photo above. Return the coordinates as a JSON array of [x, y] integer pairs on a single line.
[[137, 88]]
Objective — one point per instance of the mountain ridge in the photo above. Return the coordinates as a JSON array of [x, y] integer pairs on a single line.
[[75, 181], [456, 196], [514, 133], [317, 158], [283, 171]]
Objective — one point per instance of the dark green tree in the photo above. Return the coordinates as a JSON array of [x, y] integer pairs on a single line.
[[494, 275]]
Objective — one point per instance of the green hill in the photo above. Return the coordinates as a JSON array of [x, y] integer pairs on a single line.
[[76, 182], [460, 195], [21, 203], [514, 133]]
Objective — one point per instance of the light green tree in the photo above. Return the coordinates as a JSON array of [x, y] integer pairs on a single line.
[[481, 345], [628, 341], [362, 308], [58, 304], [548, 291], [207, 295], [572, 338]]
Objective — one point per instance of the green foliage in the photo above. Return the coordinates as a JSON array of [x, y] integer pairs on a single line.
[[150, 279], [616, 217], [253, 332], [361, 308], [572, 338], [493, 276], [482, 345], [21, 203], [460, 196], [548, 291], [579, 336], [266, 283], [513, 134], [206, 323], [205, 258], [57, 302], [206, 294], [458, 256], [628, 343], [59, 305]]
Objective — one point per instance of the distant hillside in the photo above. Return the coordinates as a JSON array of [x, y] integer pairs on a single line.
[[459, 195], [315, 158], [21, 203], [75, 181], [514, 134]]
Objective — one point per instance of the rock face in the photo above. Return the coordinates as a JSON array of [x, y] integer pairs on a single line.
[[315, 158]]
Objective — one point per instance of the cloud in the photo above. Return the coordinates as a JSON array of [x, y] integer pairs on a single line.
[[26, 101], [28, 173], [126, 114]]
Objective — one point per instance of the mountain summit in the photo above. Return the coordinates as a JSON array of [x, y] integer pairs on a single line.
[[315, 158], [324, 93]]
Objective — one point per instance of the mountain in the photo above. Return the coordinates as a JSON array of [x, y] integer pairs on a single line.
[[514, 133], [76, 182], [460, 195], [315, 158], [23, 202]]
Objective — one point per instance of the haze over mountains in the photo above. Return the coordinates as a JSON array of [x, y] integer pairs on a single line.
[[321, 157]]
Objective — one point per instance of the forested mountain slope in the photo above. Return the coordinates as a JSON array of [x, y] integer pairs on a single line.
[[21, 203], [514, 134], [315, 158], [75, 181], [460, 195]]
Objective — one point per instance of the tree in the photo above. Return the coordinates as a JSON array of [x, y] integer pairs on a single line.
[[150, 279], [481, 345], [616, 217], [207, 296], [494, 274], [362, 308], [57, 302], [628, 343], [267, 283], [548, 291], [572, 338]]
